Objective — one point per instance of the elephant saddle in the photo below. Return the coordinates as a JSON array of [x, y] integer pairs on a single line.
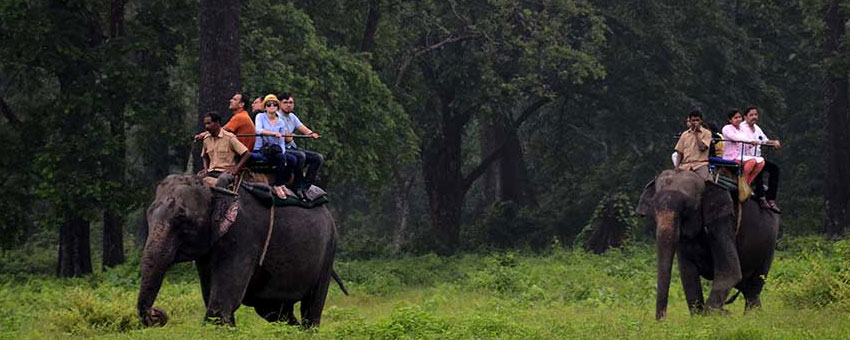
[[315, 196]]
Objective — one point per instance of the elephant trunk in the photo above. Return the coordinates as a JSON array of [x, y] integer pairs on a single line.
[[666, 240], [158, 255]]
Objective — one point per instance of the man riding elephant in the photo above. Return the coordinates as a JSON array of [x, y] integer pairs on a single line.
[[246, 252]]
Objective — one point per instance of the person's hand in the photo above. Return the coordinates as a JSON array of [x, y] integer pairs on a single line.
[[277, 134], [776, 144], [202, 135], [314, 135], [754, 143], [202, 173]]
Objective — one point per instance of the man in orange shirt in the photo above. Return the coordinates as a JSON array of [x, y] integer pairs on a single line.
[[241, 123]]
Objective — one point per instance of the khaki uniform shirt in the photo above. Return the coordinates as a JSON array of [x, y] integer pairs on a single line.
[[222, 150], [694, 149]]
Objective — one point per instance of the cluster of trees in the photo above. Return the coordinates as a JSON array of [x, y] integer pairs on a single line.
[[448, 125]]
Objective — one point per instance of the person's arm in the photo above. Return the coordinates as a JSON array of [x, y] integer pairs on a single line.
[[262, 128], [242, 160], [772, 142], [241, 150], [206, 160], [305, 130], [703, 136]]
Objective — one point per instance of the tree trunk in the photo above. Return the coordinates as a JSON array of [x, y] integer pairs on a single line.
[[113, 239], [113, 232], [74, 248], [402, 182], [372, 19], [490, 140], [220, 74], [513, 175], [837, 107], [444, 183]]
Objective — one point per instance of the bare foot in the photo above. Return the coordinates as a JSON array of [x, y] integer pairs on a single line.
[[279, 192]]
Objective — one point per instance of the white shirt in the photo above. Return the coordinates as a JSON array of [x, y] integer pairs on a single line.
[[755, 134]]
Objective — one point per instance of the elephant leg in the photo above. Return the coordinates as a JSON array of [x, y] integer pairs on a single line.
[[274, 311], [229, 280], [691, 283], [313, 304], [727, 269], [752, 292], [203, 266], [288, 313], [269, 310]]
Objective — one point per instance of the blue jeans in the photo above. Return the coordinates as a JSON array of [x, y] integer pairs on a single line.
[[284, 163], [309, 159]]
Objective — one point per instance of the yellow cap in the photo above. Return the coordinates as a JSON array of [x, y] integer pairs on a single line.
[[270, 98]]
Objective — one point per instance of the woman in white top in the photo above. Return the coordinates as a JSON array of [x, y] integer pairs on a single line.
[[735, 149]]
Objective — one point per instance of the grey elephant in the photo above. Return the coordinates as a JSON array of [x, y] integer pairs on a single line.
[[227, 236], [698, 221]]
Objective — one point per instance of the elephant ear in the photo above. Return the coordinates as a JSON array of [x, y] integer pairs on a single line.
[[717, 207], [225, 208], [644, 207]]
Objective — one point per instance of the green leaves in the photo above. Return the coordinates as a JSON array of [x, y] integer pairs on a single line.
[[364, 131]]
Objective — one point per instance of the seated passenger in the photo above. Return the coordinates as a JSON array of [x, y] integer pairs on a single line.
[[692, 146], [306, 158], [734, 149], [221, 149], [270, 131]]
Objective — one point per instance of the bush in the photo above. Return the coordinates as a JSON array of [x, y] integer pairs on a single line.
[[506, 225], [85, 312]]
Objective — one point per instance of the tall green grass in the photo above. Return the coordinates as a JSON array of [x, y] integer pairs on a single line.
[[563, 294]]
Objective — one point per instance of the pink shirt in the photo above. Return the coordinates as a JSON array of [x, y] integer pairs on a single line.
[[732, 150]]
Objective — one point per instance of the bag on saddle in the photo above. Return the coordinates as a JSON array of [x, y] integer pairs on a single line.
[[744, 190], [269, 150]]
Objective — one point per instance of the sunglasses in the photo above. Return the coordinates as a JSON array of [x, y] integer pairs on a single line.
[[270, 104]]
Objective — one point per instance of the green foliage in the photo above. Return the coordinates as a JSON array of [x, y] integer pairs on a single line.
[[508, 225], [365, 132], [622, 209], [564, 294]]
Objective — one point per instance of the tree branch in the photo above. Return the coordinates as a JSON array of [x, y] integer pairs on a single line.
[[530, 111], [497, 154], [407, 60]]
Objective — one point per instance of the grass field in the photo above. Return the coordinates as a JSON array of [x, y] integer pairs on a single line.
[[562, 294]]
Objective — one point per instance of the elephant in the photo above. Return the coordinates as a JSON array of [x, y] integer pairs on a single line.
[[227, 234], [698, 220]]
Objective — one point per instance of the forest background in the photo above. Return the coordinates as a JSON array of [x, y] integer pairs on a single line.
[[448, 126]]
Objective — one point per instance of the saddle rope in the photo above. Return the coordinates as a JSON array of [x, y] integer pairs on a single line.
[[271, 227], [740, 213]]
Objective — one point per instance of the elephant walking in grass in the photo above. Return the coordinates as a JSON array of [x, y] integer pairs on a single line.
[[698, 221], [226, 236]]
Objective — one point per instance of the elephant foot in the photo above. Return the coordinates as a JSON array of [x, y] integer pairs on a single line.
[[697, 309], [660, 314], [307, 323], [155, 317], [220, 320], [717, 311], [752, 304], [291, 320]]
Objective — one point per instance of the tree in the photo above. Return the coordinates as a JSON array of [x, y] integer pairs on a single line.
[[219, 61], [114, 167], [837, 108]]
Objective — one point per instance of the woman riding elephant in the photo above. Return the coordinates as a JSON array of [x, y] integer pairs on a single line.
[[697, 220], [239, 257]]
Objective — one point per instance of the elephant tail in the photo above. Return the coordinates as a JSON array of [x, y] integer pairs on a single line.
[[339, 282], [732, 299]]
